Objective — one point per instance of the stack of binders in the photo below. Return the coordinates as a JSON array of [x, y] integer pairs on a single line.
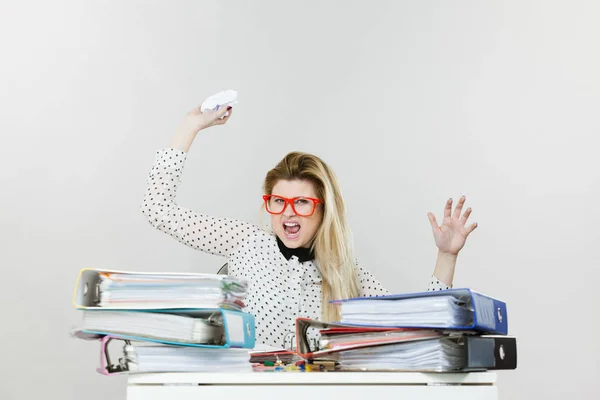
[[165, 322], [456, 330]]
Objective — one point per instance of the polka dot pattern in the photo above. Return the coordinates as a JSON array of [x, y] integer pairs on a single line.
[[280, 290]]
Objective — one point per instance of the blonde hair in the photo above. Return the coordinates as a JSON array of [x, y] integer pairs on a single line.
[[332, 244]]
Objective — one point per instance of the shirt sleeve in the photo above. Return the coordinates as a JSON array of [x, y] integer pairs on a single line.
[[436, 284], [218, 236]]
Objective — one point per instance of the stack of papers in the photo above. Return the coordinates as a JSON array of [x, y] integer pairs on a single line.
[[157, 325], [349, 338], [438, 311], [167, 322], [448, 330], [153, 358], [154, 291], [436, 355]]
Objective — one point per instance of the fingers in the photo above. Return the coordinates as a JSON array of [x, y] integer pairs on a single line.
[[448, 208], [222, 111], [224, 119], [433, 222], [459, 206], [471, 227], [465, 216]]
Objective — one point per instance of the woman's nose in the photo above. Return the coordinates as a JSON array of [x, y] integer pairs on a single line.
[[288, 211]]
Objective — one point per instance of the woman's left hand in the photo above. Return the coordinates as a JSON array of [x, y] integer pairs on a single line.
[[451, 236]]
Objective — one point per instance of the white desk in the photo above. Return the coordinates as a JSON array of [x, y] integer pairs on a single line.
[[312, 385]]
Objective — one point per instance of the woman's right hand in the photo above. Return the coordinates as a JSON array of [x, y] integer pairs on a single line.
[[194, 122]]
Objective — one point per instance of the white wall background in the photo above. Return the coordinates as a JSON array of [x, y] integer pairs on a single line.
[[411, 102]]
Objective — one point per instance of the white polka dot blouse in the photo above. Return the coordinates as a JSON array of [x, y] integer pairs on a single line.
[[280, 289]]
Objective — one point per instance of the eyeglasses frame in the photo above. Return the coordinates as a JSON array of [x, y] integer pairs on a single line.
[[291, 201]]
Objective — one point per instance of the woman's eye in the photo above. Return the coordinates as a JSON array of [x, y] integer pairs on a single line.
[[278, 201], [301, 202]]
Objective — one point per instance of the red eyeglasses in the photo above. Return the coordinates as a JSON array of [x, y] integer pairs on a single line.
[[302, 206]]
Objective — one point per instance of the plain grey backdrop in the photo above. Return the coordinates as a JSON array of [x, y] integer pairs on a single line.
[[410, 102]]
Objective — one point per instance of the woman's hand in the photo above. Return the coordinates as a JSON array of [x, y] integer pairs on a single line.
[[451, 236], [194, 122]]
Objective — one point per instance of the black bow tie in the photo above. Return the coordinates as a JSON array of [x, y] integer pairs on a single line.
[[304, 254]]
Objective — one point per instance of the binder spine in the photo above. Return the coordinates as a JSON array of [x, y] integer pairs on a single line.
[[489, 314], [86, 293], [239, 329], [483, 353]]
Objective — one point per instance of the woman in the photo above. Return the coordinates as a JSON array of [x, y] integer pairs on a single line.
[[308, 260]]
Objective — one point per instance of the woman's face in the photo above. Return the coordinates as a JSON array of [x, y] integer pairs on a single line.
[[295, 230]]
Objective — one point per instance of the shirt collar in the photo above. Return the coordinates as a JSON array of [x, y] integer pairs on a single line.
[[304, 254]]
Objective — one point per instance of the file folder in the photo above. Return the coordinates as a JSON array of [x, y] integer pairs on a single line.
[[139, 357], [110, 289], [395, 335], [238, 328], [408, 349], [473, 311], [445, 354]]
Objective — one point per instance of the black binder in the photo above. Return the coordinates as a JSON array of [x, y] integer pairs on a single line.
[[490, 352], [477, 353]]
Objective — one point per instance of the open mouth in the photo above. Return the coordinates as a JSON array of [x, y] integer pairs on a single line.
[[291, 230]]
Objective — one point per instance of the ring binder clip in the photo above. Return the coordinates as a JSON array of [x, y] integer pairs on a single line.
[[215, 319], [97, 294], [94, 294], [501, 352], [108, 366], [499, 315], [314, 344], [292, 336]]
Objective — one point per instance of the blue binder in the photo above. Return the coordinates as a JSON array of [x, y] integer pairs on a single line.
[[488, 314], [238, 327]]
